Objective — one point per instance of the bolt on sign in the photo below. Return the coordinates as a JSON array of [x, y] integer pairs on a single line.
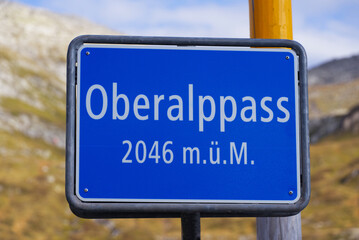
[[160, 126]]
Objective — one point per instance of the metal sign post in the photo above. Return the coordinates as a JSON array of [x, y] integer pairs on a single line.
[[191, 226], [273, 19], [166, 127]]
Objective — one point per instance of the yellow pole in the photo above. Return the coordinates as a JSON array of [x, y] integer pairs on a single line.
[[271, 19]]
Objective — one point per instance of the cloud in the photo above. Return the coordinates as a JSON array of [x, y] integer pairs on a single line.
[[209, 20], [322, 46], [143, 17], [326, 28]]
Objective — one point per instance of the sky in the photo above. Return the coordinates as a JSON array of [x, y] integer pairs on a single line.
[[327, 29]]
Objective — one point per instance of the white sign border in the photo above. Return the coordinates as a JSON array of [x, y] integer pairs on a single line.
[[171, 47]]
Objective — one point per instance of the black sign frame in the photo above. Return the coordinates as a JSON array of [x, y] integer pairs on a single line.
[[163, 210]]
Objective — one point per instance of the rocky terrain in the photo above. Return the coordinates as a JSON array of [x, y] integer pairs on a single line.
[[335, 71], [333, 97], [33, 46]]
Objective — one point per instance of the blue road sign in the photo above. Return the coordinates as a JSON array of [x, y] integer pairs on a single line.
[[187, 124]]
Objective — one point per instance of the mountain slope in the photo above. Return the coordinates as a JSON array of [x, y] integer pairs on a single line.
[[334, 87], [335, 71], [333, 99], [333, 96], [33, 45]]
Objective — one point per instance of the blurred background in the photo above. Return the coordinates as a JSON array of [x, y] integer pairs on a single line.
[[34, 36]]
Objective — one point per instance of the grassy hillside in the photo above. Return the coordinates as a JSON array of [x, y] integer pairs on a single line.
[[333, 212], [333, 99], [33, 205]]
